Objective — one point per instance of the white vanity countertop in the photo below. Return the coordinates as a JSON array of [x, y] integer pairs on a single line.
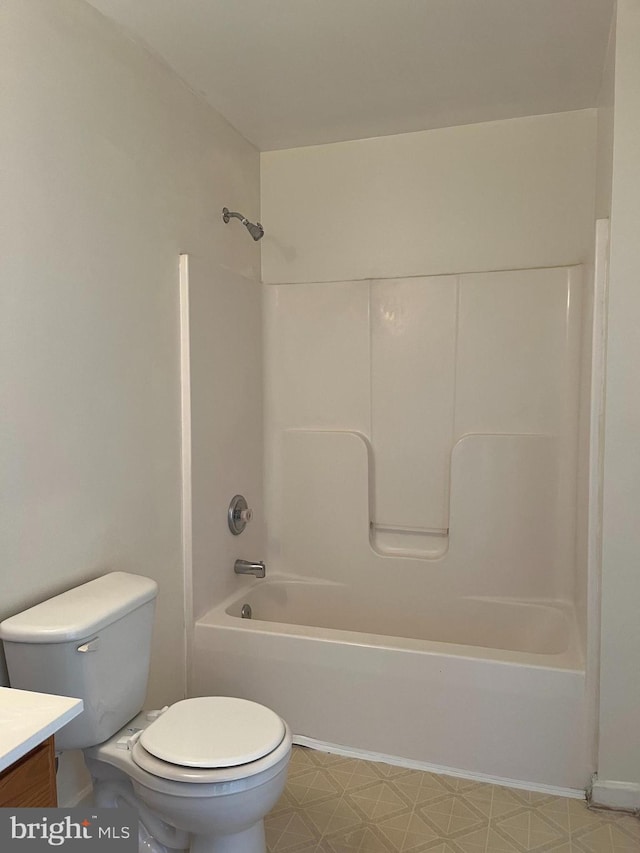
[[26, 719]]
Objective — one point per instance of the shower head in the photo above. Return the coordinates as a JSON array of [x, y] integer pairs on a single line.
[[256, 231]]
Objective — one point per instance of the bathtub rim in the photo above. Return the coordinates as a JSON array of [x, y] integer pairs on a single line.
[[571, 659]]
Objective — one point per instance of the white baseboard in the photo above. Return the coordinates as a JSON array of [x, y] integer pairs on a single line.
[[624, 796], [82, 798], [366, 755]]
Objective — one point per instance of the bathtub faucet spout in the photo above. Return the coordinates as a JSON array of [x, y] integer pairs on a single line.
[[245, 567]]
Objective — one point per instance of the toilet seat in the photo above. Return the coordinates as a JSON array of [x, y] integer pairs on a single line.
[[211, 739]]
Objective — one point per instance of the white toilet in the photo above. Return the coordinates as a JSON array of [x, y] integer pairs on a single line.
[[201, 773]]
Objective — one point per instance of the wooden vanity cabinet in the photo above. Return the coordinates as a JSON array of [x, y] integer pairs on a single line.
[[31, 781]]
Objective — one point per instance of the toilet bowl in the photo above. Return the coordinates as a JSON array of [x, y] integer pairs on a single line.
[[216, 801], [201, 773]]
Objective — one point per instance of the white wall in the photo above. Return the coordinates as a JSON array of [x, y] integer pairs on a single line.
[[619, 755], [604, 146], [226, 413], [500, 195], [112, 167]]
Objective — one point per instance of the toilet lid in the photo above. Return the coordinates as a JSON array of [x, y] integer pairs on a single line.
[[213, 731]]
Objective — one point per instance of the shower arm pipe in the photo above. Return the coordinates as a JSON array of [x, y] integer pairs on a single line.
[[230, 214], [256, 231]]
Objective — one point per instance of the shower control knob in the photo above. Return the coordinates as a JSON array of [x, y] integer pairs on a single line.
[[239, 515]]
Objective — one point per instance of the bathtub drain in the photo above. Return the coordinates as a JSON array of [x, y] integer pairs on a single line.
[[246, 611]]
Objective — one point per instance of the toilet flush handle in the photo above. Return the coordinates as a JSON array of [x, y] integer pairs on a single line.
[[91, 646]]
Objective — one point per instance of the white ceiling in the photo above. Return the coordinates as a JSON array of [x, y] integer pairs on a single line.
[[301, 72]]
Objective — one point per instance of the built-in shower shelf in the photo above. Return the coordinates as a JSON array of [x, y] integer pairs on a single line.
[[400, 541]]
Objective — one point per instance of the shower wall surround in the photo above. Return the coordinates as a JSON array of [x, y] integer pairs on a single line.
[[426, 425]]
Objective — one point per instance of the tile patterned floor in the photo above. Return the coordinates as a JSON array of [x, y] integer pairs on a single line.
[[334, 804]]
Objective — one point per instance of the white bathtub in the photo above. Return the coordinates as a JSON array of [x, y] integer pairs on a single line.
[[487, 687]]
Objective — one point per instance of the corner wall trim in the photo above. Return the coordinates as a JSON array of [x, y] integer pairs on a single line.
[[185, 420], [624, 796]]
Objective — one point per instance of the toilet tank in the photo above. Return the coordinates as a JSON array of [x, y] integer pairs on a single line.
[[92, 643]]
